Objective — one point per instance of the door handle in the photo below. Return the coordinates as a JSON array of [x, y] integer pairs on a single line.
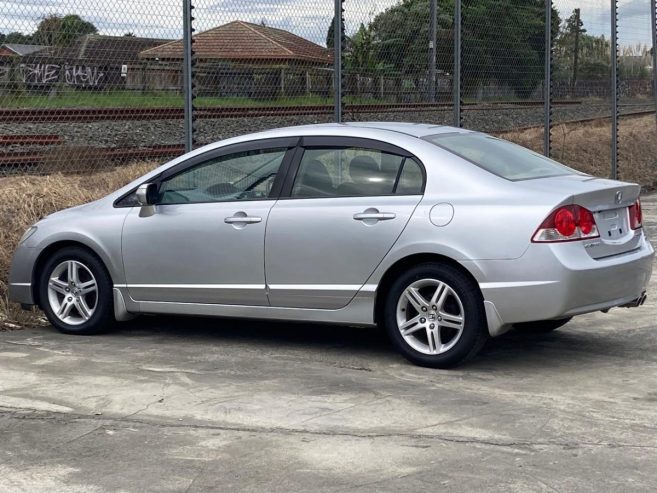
[[242, 219], [374, 216]]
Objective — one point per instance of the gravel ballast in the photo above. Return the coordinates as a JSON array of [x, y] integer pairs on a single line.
[[157, 132]]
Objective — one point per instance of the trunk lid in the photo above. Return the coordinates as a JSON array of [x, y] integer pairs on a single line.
[[608, 200]]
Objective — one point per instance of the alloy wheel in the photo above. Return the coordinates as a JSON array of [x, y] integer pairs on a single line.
[[72, 292], [430, 316]]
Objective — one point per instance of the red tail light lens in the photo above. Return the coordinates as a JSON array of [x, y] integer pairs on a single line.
[[636, 215], [567, 223], [586, 221], [564, 222]]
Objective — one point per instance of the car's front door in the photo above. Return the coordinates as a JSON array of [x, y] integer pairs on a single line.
[[203, 242], [347, 205]]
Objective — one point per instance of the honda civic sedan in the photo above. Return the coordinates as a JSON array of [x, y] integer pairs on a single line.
[[442, 236]]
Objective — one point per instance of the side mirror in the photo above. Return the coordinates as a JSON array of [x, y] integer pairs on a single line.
[[147, 194]]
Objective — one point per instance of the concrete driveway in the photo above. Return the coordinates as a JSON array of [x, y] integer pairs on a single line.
[[207, 405]]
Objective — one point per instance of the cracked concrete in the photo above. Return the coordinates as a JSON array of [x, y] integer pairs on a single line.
[[168, 404]]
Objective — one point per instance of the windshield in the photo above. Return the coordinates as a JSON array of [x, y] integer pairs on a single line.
[[499, 157]]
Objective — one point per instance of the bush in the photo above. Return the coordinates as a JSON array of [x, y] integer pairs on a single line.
[[27, 199]]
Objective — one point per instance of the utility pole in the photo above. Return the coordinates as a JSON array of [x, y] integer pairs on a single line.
[[547, 84], [338, 34], [433, 13], [614, 89], [188, 74], [578, 28], [653, 22], [456, 77]]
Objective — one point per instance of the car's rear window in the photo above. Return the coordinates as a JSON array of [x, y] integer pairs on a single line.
[[499, 157]]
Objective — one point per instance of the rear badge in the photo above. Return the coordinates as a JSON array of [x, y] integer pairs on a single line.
[[619, 197], [591, 244]]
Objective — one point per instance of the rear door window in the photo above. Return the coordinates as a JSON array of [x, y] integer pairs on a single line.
[[355, 172]]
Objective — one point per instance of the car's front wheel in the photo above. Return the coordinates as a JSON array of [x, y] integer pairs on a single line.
[[75, 291], [434, 315]]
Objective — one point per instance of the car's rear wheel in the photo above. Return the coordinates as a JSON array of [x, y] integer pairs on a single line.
[[542, 326], [434, 315], [75, 291]]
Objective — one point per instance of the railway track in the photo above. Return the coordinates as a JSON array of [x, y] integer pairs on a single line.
[[10, 140], [101, 154], [579, 121], [36, 157], [81, 115]]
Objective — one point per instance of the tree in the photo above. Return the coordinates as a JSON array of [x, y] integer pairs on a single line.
[[17, 38], [55, 30], [502, 41], [578, 55], [360, 56], [330, 34], [400, 36], [129, 35], [569, 40]]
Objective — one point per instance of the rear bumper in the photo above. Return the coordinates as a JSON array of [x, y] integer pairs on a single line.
[[561, 280]]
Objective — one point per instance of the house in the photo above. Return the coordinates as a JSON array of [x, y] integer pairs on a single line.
[[19, 50], [92, 60], [251, 60]]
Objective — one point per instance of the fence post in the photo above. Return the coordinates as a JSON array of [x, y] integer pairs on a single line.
[[188, 88], [456, 78], [547, 84], [653, 13], [433, 14], [614, 89], [337, 61]]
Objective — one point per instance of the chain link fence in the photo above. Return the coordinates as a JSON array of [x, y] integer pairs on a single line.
[[88, 85], [73, 78], [637, 131]]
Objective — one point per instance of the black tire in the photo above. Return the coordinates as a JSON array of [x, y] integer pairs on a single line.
[[542, 326], [102, 318], [475, 329]]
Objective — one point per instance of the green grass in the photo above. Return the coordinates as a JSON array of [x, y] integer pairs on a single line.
[[133, 99]]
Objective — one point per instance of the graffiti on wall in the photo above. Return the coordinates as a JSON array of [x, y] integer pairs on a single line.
[[39, 73], [50, 73], [4, 72], [82, 75]]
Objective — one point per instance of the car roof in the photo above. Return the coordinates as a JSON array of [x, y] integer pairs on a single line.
[[410, 129], [414, 129]]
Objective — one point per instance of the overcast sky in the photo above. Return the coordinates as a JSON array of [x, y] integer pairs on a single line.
[[307, 18]]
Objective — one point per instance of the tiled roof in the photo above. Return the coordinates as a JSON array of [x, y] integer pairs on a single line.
[[243, 41], [111, 50], [22, 50]]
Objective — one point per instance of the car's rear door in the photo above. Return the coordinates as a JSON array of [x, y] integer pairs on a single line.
[[344, 204], [204, 240]]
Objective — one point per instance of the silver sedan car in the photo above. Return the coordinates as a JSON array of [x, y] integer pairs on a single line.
[[441, 235]]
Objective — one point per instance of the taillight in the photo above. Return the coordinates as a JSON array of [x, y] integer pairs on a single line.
[[636, 216], [567, 223]]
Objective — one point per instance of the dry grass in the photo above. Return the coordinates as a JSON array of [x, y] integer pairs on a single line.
[[26, 199], [587, 147]]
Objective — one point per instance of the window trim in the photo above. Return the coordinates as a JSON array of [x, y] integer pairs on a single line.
[[340, 142], [279, 142]]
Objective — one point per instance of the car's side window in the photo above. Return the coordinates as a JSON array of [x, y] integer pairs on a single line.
[[354, 172], [246, 175]]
